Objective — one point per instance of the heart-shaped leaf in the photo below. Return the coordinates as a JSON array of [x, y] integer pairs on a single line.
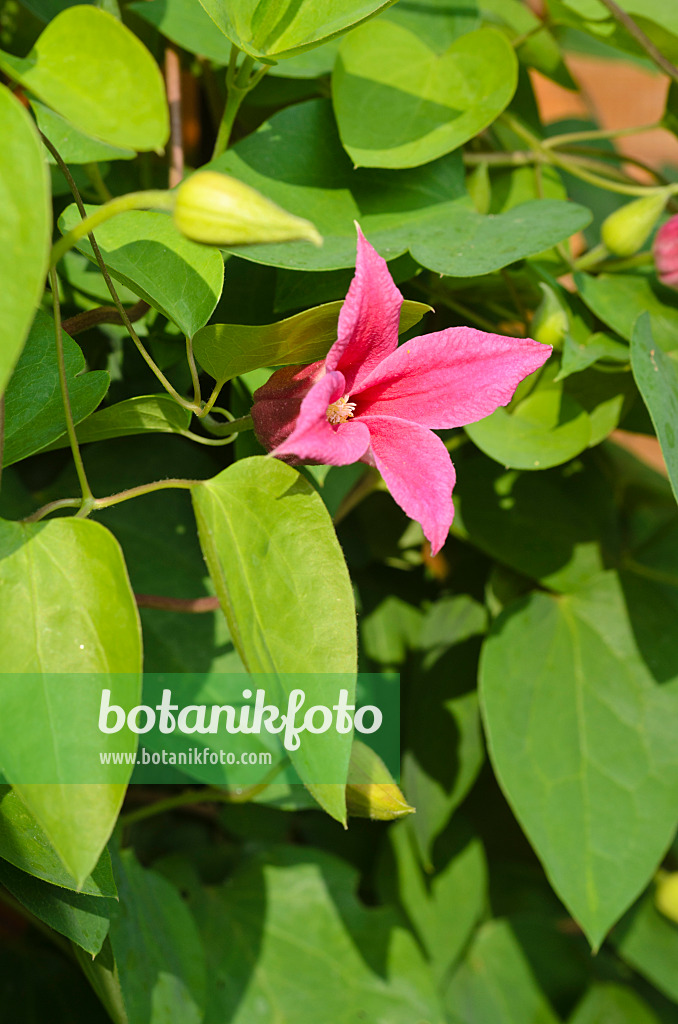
[[65, 583], [25, 228], [144, 250], [143, 414], [400, 104], [34, 411], [93, 71], [656, 373], [582, 740]]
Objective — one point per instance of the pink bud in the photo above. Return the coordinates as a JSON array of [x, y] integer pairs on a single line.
[[665, 251], [277, 403]]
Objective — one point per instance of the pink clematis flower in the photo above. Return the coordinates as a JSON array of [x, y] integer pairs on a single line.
[[373, 401]]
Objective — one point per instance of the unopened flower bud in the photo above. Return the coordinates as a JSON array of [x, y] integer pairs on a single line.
[[550, 322], [665, 252], [216, 209], [627, 229], [277, 403], [666, 894], [370, 790]]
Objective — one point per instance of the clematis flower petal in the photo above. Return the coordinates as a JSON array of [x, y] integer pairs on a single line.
[[314, 439], [277, 403], [450, 378], [417, 470], [368, 321]]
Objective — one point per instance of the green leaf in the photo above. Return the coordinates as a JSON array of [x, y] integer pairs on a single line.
[[34, 412], [143, 414], [292, 925], [617, 299], [25, 228], [297, 616], [648, 942], [400, 104], [613, 1004], [279, 30], [24, 844], [598, 347], [444, 908], [582, 742], [543, 430], [83, 919], [64, 582], [73, 146], [496, 982], [296, 159], [556, 527], [437, 22], [187, 24], [144, 250], [656, 373], [88, 67], [158, 954], [227, 350]]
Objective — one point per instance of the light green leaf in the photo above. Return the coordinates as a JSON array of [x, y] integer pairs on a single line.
[[24, 844], [648, 942], [186, 23], [227, 350], [273, 31], [613, 1004], [34, 412], [445, 907], [296, 159], [83, 919], [144, 250], [143, 414], [583, 744], [437, 22], [617, 299], [496, 982], [25, 228], [296, 616], [543, 430], [598, 347], [73, 146], [655, 369], [159, 957], [66, 606], [400, 104], [93, 71], [292, 924]]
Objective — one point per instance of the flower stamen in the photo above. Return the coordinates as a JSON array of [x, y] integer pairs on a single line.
[[340, 411]]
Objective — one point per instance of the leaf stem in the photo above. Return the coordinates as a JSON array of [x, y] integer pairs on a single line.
[[112, 499], [192, 606], [644, 41], [239, 81], [232, 795], [94, 174], [197, 395], [595, 134], [174, 102], [87, 496]]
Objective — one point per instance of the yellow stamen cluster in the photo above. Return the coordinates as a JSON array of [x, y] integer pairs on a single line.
[[340, 411]]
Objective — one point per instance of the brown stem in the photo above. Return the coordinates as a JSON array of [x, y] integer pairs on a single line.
[[177, 604], [173, 85], [103, 315], [636, 31]]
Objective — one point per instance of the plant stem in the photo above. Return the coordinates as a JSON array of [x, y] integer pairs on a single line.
[[87, 496], [113, 499], [197, 396], [232, 795], [597, 133], [644, 41], [111, 287], [209, 404], [103, 315], [225, 429], [193, 606], [239, 81], [158, 199], [173, 87], [592, 258]]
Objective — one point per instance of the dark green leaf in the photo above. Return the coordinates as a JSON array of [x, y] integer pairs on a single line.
[[655, 369]]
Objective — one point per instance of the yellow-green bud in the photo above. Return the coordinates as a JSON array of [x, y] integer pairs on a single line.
[[370, 790], [627, 229], [550, 322], [666, 894], [216, 209]]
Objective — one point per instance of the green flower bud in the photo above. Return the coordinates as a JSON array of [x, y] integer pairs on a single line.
[[368, 795], [550, 322], [479, 189], [666, 894], [216, 209], [627, 229]]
